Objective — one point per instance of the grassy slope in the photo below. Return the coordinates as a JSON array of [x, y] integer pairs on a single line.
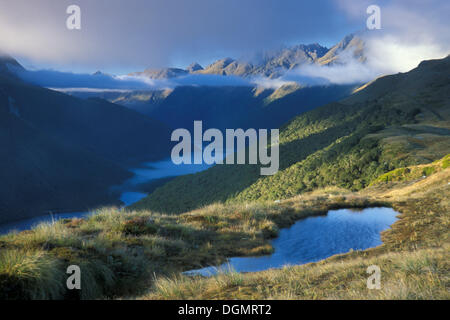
[[117, 250], [414, 258], [395, 121]]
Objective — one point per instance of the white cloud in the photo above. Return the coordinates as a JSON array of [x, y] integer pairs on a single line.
[[412, 31]]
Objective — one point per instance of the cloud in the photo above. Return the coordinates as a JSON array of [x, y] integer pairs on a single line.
[[389, 53], [103, 82], [57, 79], [385, 54], [269, 83], [135, 34], [211, 80], [412, 31], [351, 72]]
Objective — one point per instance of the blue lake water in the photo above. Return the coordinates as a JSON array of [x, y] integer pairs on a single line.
[[316, 238], [129, 191], [163, 169]]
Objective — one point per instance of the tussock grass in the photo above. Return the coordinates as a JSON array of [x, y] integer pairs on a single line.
[[118, 250], [414, 258], [421, 274], [32, 274], [125, 253]]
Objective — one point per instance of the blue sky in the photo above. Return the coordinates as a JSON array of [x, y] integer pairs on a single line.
[[120, 36]]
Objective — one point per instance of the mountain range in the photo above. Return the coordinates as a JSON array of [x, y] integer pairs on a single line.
[[272, 64], [251, 105]]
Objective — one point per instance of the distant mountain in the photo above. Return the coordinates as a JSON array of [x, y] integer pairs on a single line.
[[63, 153], [352, 46], [193, 67], [272, 64], [227, 66], [7, 62], [100, 73], [269, 64], [165, 73]]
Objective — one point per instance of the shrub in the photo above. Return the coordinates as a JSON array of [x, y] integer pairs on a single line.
[[446, 162], [427, 171], [138, 226]]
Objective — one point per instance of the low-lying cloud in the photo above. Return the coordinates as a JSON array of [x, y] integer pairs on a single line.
[[384, 53], [57, 79], [411, 31], [103, 82]]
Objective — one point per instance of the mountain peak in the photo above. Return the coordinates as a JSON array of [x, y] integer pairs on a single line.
[[351, 45], [164, 73], [194, 67], [7, 63]]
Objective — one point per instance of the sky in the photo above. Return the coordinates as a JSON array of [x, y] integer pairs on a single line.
[[136, 34], [119, 36]]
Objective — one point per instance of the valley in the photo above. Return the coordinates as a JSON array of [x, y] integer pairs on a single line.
[[189, 155], [144, 180], [386, 145], [61, 154]]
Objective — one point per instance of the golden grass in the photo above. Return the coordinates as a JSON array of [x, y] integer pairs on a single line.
[[121, 252], [414, 257], [32, 272], [422, 274]]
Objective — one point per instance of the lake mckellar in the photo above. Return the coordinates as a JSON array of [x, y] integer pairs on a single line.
[[129, 191]]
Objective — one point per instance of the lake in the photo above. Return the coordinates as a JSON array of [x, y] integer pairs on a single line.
[[316, 238], [129, 191]]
